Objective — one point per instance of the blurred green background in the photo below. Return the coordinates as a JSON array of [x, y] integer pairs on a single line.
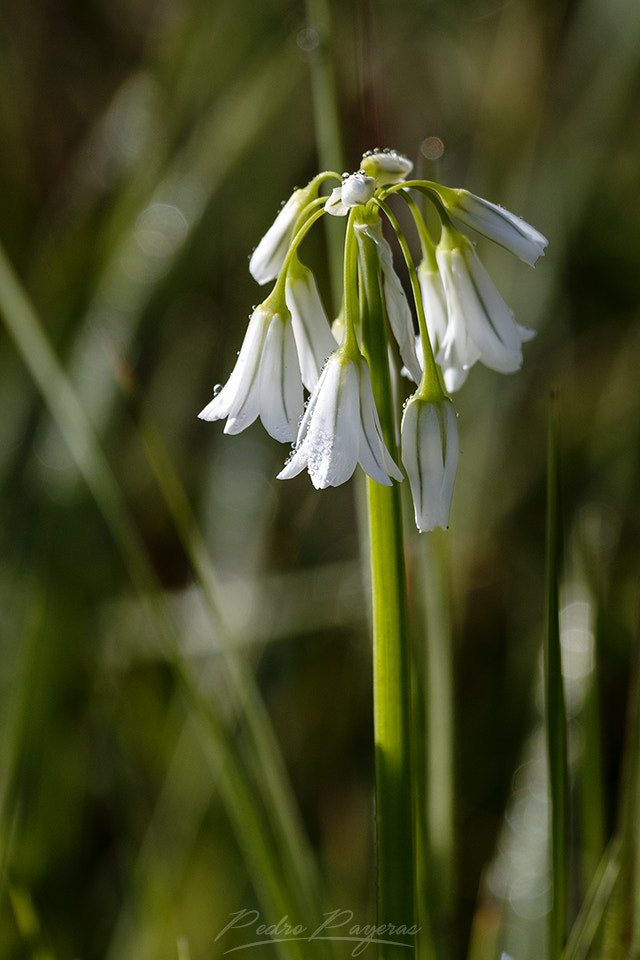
[[144, 149]]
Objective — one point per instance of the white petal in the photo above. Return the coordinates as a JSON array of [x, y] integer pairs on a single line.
[[494, 222], [489, 320], [265, 381], [480, 324], [398, 310], [373, 456], [314, 340], [334, 204], [281, 401], [268, 257], [435, 303], [336, 428], [239, 399], [458, 352], [430, 455]]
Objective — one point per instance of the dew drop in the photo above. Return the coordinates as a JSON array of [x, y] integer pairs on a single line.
[[217, 389]]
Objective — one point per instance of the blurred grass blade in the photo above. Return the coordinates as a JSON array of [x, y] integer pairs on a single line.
[[267, 760], [590, 919], [556, 717], [277, 889], [623, 929], [327, 125], [180, 191], [28, 923]]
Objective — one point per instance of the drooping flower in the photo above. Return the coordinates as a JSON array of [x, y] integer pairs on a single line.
[[494, 222], [341, 428], [265, 381], [268, 257], [314, 340], [396, 303], [354, 191], [430, 448], [480, 325]]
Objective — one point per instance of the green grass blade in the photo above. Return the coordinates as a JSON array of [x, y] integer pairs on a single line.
[[268, 765], [278, 892], [592, 912], [556, 718]]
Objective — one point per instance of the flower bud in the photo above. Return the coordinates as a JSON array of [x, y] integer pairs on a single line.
[[386, 166], [429, 438], [355, 190]]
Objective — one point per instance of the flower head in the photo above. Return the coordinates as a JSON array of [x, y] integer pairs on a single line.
[[480, 325], [429, 437], [494, 222], [446, 318], [265, 381], [341, 428]]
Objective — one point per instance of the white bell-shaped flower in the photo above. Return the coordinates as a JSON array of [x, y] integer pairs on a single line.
[[480, 325], [430, 448], [268, 257], [341, 428], [314, 340], [495, 223], [265, 381]]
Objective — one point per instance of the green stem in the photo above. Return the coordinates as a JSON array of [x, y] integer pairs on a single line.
[[391, 660]]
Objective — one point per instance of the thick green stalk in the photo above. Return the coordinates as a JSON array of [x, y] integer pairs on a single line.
[[556, 718], [391, 660]]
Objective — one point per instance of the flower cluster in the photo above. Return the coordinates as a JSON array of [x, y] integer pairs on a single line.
[[458, 318]]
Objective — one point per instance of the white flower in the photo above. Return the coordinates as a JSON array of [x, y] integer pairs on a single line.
[[265, 381], [268, 257], [314, 340], [386, 166], [434, 301], [341, 428], [398, 310], [355, 190], [494, 222], [429, 436], [480, 324]]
